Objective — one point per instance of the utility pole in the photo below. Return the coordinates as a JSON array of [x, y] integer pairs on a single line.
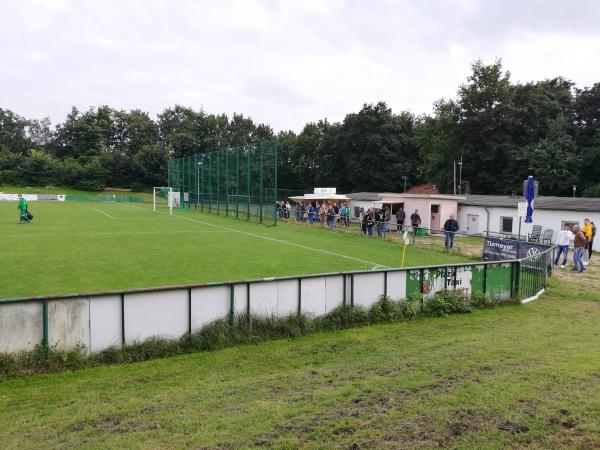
[[460, 164], [454, 176], [404, 177]]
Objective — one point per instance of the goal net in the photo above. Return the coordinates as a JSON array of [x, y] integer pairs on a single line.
[[165, 197]]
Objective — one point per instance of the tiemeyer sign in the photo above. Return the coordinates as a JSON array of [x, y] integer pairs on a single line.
[[496, 249]]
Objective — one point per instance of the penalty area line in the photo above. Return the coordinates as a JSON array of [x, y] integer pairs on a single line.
[[102, 212]]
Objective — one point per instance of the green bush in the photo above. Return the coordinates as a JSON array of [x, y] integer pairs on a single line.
[[344, 316]]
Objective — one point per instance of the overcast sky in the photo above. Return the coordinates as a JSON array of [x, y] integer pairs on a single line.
[[284, 63]]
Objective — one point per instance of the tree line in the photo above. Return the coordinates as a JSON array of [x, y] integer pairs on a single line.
[[503, 130]]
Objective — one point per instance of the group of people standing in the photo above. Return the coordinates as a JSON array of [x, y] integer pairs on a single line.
[[583, 242], [325, 213]]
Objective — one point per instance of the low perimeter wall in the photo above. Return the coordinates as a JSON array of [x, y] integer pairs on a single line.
[[113, 319]]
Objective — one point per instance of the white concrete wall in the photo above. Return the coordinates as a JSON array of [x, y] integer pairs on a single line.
[[548, 219], [21, 326]]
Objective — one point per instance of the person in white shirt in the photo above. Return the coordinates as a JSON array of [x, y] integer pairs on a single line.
[[564, 237]]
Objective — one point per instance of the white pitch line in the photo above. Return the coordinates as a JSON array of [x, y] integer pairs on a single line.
[[105, 213], [113, 233], [283, 242]]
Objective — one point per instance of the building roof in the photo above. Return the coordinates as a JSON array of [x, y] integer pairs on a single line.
[[365, 196], [423, 189], [587, 204]]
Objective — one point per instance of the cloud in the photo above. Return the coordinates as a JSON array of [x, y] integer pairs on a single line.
[[282, 62]]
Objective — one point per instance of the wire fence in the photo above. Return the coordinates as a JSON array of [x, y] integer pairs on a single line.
[[239, 181]]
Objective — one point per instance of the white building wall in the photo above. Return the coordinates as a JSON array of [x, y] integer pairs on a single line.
[[548, 219]]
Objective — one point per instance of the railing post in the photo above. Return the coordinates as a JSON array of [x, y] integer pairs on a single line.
[[344, 298], [123, 320], [231, 304], [300, 295], [485, 269], [351, 289], [45, 323], [189, 310]]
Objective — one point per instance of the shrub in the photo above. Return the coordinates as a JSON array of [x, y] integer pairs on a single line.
[[344, 316], [385, 310]]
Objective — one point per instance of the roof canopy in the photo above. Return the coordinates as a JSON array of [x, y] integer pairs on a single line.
[[311, 197]]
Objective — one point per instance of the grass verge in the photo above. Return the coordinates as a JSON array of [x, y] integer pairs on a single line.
[[243, 330]]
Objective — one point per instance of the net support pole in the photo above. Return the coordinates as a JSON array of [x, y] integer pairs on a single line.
[[260, 166], [237, 183], [248, 185], [276, 151]]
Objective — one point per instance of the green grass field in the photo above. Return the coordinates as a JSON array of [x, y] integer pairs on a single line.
[[523, 376], [73, 247]]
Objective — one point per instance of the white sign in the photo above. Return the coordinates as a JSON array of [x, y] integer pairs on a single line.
[[522, 209], [324, 191]]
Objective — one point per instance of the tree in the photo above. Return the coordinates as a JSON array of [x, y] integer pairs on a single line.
[[370, 151], [13, 136], [486, 122], [437, 139], [151, 165]]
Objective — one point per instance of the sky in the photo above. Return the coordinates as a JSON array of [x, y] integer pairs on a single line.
[[284, 63]]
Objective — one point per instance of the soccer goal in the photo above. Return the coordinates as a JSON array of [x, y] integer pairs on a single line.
[[165, 196]]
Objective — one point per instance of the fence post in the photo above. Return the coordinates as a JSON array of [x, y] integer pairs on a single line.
[[344, 294], [485, 269], [351, 289], [421, 284], [123, 320], [517, 281], [189, 310], [385, 283], [45, 323], [231, 304], [300, 295]]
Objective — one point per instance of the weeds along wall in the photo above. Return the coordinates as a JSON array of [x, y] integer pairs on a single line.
[[113, 319], [239, 181]]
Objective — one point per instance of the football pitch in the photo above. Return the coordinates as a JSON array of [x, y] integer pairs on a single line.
[[77, 247]]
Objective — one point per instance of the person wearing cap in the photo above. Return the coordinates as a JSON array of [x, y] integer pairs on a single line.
[[22, 207]]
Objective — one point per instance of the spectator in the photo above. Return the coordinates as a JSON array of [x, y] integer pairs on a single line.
[[386, 219], [379, 219], [591, 242], [347, 216], [564, 237], [362, 217], [400, 215], [450, 227], [415, 221], [579, 244], [369, 222], [331, 218], [311, 213], [587, 231]]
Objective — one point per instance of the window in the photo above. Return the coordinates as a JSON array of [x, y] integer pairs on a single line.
[[506, 224], [435, 209], [569, 224]]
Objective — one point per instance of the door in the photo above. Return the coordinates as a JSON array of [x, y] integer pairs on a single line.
[[435, 218], [472, 224]]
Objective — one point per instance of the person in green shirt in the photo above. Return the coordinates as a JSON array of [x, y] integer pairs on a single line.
[[22, 207]]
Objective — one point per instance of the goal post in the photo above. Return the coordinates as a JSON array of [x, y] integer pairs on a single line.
[[167, 196]]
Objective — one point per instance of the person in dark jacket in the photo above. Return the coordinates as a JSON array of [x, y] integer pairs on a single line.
[[370, 222], [450, 227], [400, 215], [415, 221], [379, 220]]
